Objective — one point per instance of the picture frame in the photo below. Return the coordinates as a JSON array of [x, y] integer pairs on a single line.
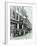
[[9, 38]]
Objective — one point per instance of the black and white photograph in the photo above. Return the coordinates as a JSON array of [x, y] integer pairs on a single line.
[[18, 22], [21, 22]]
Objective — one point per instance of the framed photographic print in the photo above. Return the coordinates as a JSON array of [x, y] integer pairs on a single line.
[[19, 22]]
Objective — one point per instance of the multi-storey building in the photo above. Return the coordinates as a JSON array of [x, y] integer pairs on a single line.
[[18, 21]]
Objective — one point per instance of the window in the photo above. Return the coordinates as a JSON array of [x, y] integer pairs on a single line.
[[13, 14], [17, 17], [20, 26]]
